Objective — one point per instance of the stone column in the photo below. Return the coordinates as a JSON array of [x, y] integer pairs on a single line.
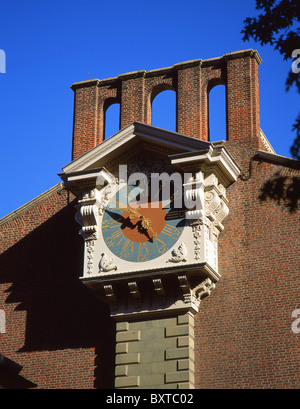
[[155, 353]]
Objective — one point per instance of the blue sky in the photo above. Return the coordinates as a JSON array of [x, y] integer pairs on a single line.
[[51, 44]]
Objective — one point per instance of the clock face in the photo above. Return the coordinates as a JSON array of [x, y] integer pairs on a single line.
[[140, 232]]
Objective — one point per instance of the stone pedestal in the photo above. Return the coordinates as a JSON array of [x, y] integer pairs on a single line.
[[155, 353]]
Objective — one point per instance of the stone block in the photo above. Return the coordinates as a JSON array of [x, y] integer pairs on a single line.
[[177, 331], [121, 370], [122, 326], [177, 353], [124, 382], [181, 376], [122, 348], [127, 359], [183, 364], [128, 336]]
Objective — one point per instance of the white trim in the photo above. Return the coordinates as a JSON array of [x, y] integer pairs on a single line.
[[140, 131]]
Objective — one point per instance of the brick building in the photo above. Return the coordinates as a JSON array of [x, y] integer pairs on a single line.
[[62, 328]]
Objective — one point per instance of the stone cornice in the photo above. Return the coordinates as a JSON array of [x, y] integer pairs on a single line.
[[135, 131], [215, 156], [277, 160], [167, 70]]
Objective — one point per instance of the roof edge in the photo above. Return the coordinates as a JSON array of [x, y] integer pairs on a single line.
[[184, 64], [31, 203], [277, 160]]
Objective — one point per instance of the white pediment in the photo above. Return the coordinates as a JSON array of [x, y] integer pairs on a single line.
[[141, 144], [128, 139]]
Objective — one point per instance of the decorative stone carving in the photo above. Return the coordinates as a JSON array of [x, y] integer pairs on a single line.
[[90, 249], [212, 202], [194, 295], [106, 264], [194, 196], [215, 201], [216, 210], [179, 254], [196, 227], [107, 193], [203, 289], [88, 205]]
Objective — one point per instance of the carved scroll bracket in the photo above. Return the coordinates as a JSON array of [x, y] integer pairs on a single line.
[[215, 204], [87, 217], [87, 214], [194, 196]]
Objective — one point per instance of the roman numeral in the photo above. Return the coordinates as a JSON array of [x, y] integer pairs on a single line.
[[128, 246], [116, 234], [170, 230]]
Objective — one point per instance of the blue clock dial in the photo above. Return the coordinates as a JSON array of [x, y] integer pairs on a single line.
[[140, 233]]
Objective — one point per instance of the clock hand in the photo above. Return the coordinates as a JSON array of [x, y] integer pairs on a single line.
[[145, 221], [133, 213], [146, 224]]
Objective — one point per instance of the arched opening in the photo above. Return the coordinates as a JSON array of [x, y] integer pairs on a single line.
[[111, 120], [217, 113], [164, 110]]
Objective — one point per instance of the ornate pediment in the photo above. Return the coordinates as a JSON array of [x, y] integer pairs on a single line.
[[128, 139]]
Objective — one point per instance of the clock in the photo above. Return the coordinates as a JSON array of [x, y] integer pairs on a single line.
[[140, 231]]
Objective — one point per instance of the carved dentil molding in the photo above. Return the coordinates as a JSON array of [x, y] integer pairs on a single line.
[[191, 295], [135, 293]]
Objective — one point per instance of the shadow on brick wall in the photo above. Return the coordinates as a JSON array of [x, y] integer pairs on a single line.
[[61, 313]]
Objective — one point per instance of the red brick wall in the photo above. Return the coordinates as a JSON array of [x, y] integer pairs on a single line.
[[192, 81], [188, 100], [243, 330], [91, 102], [55, 328]]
